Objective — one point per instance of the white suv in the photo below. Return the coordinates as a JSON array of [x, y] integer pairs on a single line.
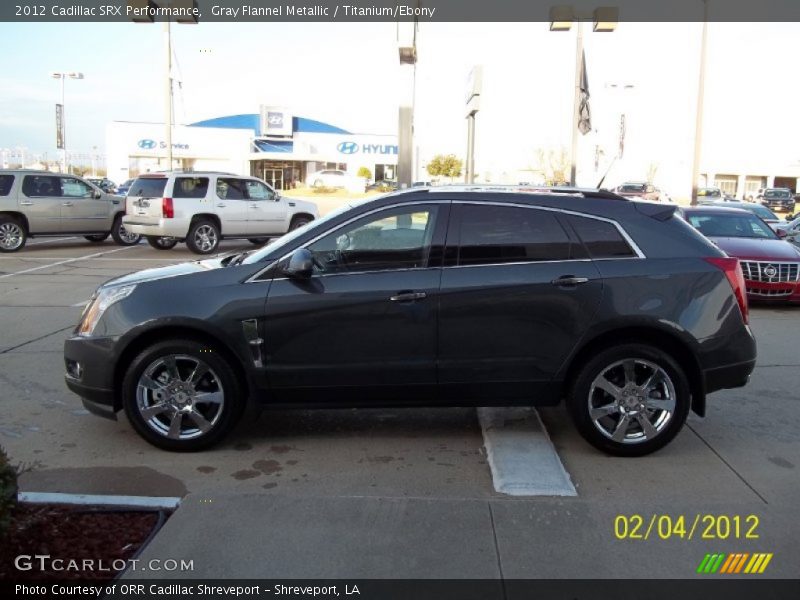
[[203, 208]]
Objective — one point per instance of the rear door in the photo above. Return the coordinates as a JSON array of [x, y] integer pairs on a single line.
[[80, 210], [231, 205], [517, 294], [267, 211], [40, 201]]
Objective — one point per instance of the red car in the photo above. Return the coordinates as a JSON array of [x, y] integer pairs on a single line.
[[771, 266]]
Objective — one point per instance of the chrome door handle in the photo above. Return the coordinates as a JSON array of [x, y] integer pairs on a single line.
[[26, 203], [66, 204], [408, 296], [221, 205], [567, 280], [254, 206]]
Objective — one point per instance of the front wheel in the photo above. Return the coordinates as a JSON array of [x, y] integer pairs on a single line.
[[161, 243], [12, 234], [122, 236], [298, 222], [203, 237], [630, 400], [181, 395]]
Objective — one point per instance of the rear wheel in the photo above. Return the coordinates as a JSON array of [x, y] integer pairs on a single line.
[[181, 395], [100, 237], [203, 237], [258, 241], [161, 243], [630, 400], [122, 236], [12, 234]]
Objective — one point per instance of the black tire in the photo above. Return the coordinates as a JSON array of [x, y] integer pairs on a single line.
[[258, 241], [665, 424], [13, 234], [220, 377], [203, 237], [161, 243], [298, 222], [121, 236], [96, 239]]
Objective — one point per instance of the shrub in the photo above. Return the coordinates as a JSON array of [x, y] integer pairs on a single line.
[[8, 490], [324, 190]]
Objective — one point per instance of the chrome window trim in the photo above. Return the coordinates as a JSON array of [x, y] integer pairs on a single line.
[[639, 254]]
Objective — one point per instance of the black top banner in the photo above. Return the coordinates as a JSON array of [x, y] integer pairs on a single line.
[[192, 11]]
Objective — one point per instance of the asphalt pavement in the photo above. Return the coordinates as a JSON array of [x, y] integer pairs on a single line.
[[400, 492]]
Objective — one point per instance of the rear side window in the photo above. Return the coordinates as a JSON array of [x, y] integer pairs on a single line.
[[508, 234], [602, 239], [6, 181], [41, 185], [190, 187], [148, 187]]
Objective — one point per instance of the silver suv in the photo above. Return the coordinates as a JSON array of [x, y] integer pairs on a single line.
[[201, 208], [38, 203]]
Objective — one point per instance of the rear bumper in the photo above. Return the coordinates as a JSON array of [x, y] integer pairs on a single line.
[[730, 376], [155, 227]]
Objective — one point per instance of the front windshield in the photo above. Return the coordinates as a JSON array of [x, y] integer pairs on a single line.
[[285, 240], [777, 194], [731, 225], [763, 212]]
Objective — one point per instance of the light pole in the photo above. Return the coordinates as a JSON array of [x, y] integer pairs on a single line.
[[63, 77], [698, 124], [605, 19], [407, 53]]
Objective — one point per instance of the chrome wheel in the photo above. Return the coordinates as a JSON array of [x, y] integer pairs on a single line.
[[632, 401], [11, 236], [180, 397], [127, 236], [205, 238]]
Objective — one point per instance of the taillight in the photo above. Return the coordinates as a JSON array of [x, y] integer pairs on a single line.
[[733, 271], [167, 211]]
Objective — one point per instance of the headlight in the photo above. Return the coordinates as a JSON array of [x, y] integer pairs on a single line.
[[102, 299]]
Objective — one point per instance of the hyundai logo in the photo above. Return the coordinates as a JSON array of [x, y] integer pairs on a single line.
[[275, 119], [147, 144], [348, 147]]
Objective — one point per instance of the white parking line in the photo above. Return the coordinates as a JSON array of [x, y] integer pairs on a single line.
[[520, 454], [65, 261], [26, 258]]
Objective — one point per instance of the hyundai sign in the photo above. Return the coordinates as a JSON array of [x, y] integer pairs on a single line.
[[276, 121], [148, 144], [350, 147]]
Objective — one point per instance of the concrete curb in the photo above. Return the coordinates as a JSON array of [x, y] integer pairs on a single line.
[[163, 502]]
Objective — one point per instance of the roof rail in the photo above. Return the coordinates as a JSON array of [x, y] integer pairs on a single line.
[[528, 189]]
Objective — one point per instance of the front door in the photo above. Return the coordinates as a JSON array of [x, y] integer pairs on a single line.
[[81, 211], [517, 295], [364, 325], [267, 211], [40, 201]]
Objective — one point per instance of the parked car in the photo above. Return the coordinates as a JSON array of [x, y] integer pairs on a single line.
[[122, 189], [762, 212], [754, 196], [778, 199], [327, 178], [771, 266], [203, 208], [384, 185], [41, 203], [792, 231], [104, 184], [441, 296], [639, 189]]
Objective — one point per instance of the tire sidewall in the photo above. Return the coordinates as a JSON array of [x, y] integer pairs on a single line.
[[154, 243], [231, 410], [298, 222], [193, 229], [578, 398], [116, 234], [23, 232]]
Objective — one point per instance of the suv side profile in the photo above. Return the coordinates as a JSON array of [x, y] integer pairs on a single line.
[[202, 208], [465, 296], [41, 203]]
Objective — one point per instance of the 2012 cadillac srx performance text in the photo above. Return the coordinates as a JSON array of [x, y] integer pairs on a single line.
[[440, 296]]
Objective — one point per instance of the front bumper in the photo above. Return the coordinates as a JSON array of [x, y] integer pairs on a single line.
[[759, 291], [90, 373]]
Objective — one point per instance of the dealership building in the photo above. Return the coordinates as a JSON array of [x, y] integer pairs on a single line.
[[275, 145]]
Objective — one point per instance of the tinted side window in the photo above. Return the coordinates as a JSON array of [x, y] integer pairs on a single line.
[[148, 187], [601, 239], [258, 191], [507, 234], [6, 181], [190, 187], [41, 185], [229, 188]]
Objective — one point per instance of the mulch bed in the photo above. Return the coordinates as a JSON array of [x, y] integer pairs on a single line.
[[73, 533]]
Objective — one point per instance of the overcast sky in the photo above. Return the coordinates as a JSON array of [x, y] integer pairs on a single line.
[[346, 74]]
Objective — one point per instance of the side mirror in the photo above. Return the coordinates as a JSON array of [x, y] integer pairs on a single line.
[[97, 195], [781, 233], [300, 265], [277, 197]]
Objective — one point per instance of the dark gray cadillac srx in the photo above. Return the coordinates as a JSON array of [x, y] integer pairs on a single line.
[[441, 296]]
